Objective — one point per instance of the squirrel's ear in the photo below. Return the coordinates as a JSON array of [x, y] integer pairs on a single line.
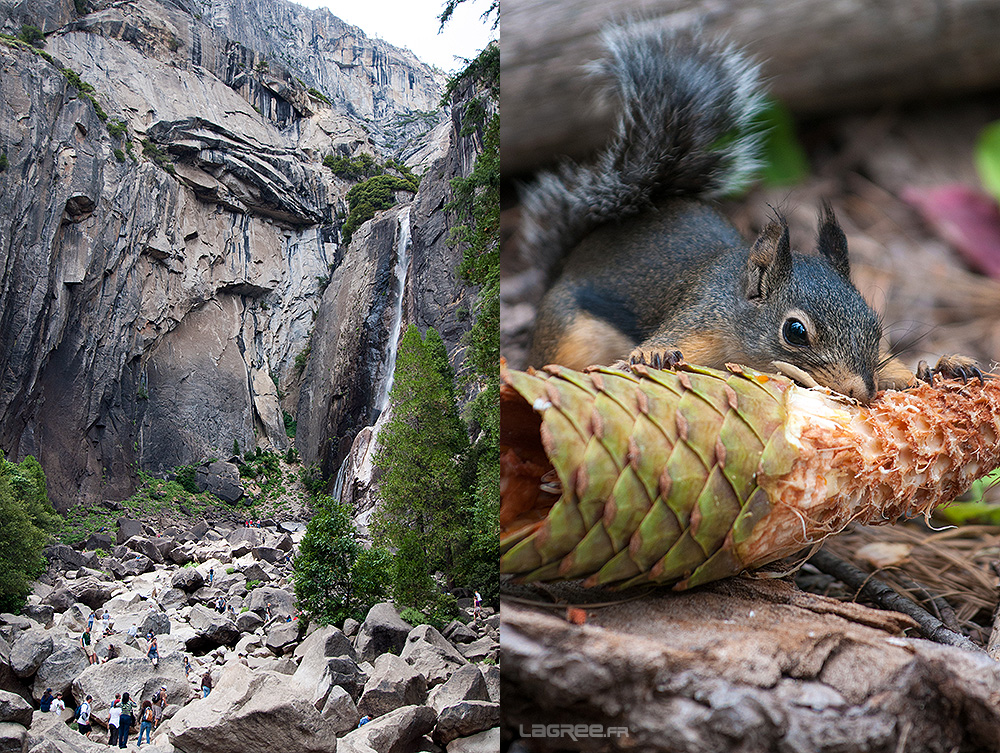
[[770, 262], [832, 242]]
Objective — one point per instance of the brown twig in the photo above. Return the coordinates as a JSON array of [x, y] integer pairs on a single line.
[[885, 597], [943, 609]]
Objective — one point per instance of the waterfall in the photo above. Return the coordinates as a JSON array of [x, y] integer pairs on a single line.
[[402, 261]]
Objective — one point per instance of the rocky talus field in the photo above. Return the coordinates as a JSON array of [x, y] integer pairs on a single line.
[[278, 685]]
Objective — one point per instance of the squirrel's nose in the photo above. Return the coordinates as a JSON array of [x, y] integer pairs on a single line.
[[856, 388]]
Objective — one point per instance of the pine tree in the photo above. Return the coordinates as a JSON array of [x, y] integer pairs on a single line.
[[421, 451]]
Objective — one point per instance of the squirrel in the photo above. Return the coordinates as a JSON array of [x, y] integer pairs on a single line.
[[644, 270]]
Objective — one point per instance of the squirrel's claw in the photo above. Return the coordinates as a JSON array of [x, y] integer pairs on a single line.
[[656, 358], [950, 367]]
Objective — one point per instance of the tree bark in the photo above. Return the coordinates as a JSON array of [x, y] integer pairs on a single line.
[[820, 56]]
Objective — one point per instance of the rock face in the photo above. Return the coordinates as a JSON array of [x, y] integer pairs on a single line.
[[383, 630], [157, 300]]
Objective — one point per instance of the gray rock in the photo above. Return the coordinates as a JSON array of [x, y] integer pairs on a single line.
[[383, 630], [40, 613], [284, 543], [397, 732], [351, 627], [179, 556], [256, 572], [99, 541], [15, 709], [492, 675], [282, 601], [393, 684], [464, 719], [482, 742], [480, 649], [198, 530], [326, 661], [326, 642], [187, 579], [212, 629], [71, 558], [127, 528], [250, 710], [172, 598], [247, 622], [31, 648], [134, 564], [156, 621], [281, 636], [221, 479], [290, 526], [90, 591], [59, 669], [13, 738], [466, 684], [457, 632], [268, 554], [136, 675], [340, 710], [431, 654], [144, 546]]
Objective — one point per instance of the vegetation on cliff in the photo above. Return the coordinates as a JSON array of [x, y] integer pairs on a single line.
[[26, 522]]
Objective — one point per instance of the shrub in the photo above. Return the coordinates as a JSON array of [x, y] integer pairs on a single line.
[[184, 475], [291, 426], [302, 358], [4, 162], [365, 199], [117, 128], [292, 455], [316, 93], [119, 155], [81, 7], [31, 35], [252, 584], [157, 155]]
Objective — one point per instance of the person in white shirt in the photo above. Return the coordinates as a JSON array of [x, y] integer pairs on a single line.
[[83, 717], [58, 705]]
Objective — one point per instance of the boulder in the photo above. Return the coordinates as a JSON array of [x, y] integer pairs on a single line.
[[127, 528], [466, 684], [212, 629], [464, 719], [13, 737], [457, 632], [59, 670], [250, 710], [325, 641], [397, 732], [70, 558], [289, 526], [221, 479], [40, 613], [383, 630], [179, 556], [198, 530], [75, 618], [99, 541], [483, 742], [172, 598], [268, 554], [134, 563], [187, 579], [282, 601], [91, 591], [136, 675], [156, 621], [282, 635], [479, 650], [351, 627], [492, 675], [284, 543], [257, 573], [393, 684], [30, 649], [431, 654], [247, 622], [340, 710], [15, 709], [146, 547]]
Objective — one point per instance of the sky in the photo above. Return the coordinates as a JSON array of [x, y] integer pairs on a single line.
[[414, 24]]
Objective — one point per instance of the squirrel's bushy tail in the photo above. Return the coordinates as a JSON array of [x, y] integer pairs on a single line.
[[686, 105]]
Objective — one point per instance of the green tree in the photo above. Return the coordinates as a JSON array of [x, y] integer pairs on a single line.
[[335, 576], [421, 451], [26, 520]]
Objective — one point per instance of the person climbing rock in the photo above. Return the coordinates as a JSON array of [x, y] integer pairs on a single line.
[[153, 654], [146, 722], [114, 717], [83, 717], [88, 649], [206, 685], [58, 705], [126, 720]]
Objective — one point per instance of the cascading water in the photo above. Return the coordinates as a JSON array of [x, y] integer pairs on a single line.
[[389, 365], [402, 261]]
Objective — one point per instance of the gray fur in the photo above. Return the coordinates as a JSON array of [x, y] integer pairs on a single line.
[[682, 131]]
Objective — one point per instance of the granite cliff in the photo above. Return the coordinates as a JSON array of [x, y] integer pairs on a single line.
[[172, 272]]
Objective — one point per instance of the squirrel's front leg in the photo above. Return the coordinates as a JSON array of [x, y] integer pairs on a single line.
[[655, 357], [894, 375]]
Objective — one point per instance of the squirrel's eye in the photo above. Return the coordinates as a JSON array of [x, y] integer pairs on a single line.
[[795, 333]]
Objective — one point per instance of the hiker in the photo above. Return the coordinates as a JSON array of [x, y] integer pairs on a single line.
[[125, 722], [211, 575], [58, 705], [159, 704], [114, 716], [88, 649], [113, 652], [364, 720], [146, 723], [477, 603], [220, 605], [46, 701], [153, 653], [268, 611], [107, 622], [90, 622], [187, 667], [83, 717], [206, 684]]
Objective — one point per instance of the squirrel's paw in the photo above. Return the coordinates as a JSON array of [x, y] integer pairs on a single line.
[[656, 358], [950, 367]]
